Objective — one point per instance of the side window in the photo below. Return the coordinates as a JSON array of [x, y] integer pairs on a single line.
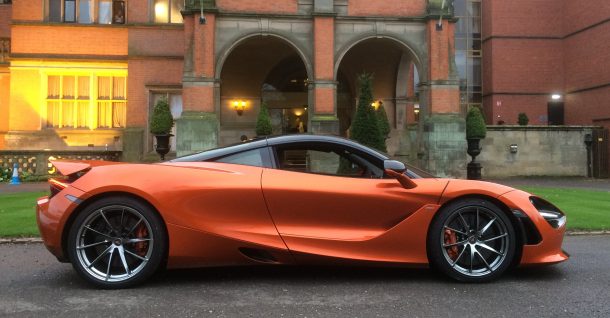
[[247, 158], [325, 160]]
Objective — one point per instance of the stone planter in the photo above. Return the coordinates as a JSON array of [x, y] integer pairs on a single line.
[[162, 147]]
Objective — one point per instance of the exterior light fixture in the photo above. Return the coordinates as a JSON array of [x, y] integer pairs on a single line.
[[239, 106], [416, 112], [556, 96], [376, 104]]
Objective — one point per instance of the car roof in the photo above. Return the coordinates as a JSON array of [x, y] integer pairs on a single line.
[[275, 141]]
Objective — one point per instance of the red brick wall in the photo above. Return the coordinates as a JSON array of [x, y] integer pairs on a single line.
[[198, 98], [69, 39], [276, 6], [158, 42], [138, 11], [28, 10], [144, 72], [204, 46], [323, 46], [581, 14], [587, 58], [524, 17], [5, 84], [387, 8], [5, 20], [526, 66], [585, 107], [535, 106], [564, 63]]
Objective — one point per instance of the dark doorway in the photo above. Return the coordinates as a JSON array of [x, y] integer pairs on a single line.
[[600, 158], [555, 113]]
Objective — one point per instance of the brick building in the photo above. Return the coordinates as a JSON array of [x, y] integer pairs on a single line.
[[83, 75], [533, 50]]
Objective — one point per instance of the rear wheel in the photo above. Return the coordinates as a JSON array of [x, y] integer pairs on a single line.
[[116, 242], [471, 240]]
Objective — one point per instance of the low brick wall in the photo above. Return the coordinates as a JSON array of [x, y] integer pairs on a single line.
[[37, 162], [542, 151]]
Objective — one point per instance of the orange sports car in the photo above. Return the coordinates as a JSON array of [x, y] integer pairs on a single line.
[[299, 199]]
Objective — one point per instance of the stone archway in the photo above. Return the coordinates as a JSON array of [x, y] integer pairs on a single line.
[[393, 66], [257, 69]]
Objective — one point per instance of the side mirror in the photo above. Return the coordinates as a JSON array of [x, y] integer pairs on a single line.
[[396, 169], [394, 165]]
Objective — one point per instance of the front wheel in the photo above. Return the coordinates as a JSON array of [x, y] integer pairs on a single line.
[[471, 240], [116, 242]]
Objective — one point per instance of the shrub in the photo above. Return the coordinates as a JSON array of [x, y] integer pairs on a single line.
[[365, 128], [161, 121], [522, 119], [263, 121], [475, 124], [382, 121]]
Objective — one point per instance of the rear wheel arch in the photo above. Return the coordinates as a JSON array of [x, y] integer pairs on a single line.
[[81, 207]]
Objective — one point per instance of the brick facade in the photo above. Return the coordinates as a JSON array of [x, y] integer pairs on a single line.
[[530, 53]]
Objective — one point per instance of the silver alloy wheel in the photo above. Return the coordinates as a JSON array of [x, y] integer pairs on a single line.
[[475, 241], [114, 243]]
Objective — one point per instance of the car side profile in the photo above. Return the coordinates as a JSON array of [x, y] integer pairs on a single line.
[[300, 199]]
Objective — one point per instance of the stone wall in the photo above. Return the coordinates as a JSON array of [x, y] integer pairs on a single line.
[[541, 151]]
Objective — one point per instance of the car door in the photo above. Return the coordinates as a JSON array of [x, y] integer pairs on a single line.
[[324, 202]]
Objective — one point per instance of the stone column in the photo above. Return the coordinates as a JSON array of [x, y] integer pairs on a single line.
[[323, 119], [444, 131], [197, 128]]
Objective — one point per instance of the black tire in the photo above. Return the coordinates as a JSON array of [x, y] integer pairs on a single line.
[[468, 255], [116, 242]]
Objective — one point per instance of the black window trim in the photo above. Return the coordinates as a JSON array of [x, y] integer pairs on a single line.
[[332, 145]]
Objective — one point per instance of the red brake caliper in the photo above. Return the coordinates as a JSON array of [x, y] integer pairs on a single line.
[[450, 238], [141, 232]]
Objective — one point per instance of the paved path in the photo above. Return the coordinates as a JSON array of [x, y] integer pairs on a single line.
[[24, 187], [34, 284]]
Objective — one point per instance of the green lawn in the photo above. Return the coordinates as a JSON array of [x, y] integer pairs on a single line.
[[18, 214], [585, 209]]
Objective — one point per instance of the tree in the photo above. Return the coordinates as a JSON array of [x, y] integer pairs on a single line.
[[382, 121], [263, 121], [365, 128], [522, 119], [161, 121], [475, 124]]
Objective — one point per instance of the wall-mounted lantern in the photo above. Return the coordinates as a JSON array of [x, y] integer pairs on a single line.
[[376, 104], [239, 106], [416, 112]]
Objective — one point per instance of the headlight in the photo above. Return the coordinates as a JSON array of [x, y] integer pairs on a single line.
[[549, 212]]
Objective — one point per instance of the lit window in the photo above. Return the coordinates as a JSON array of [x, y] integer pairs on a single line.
[[168, 11], [111, 101], [70, 103], [86, 11]]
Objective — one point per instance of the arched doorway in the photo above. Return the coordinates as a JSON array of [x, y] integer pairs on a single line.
[[263, 69], [395, 80]]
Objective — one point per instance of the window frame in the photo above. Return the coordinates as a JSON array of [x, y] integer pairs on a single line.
[[153, 15], [95, 10], [93, 101], [336, 148], [265, 153]]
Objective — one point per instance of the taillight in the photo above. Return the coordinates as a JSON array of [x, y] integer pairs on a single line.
[[57, 185]]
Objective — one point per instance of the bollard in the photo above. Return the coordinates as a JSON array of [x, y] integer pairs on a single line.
[[15, 178]]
